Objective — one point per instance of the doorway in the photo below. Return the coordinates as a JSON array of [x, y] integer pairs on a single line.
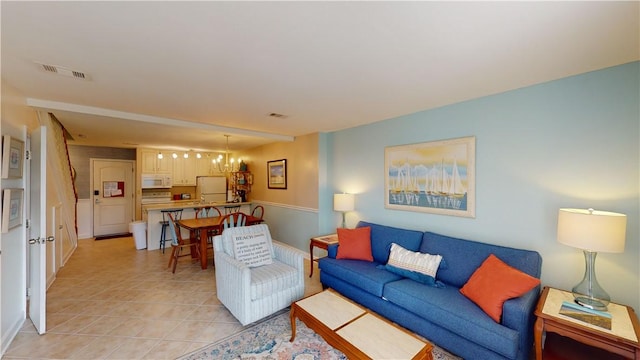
[[112, 196]]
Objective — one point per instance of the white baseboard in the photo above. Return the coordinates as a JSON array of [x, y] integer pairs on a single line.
[[10, 334]]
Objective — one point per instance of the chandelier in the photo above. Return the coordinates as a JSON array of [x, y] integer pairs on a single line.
[[229, 165]]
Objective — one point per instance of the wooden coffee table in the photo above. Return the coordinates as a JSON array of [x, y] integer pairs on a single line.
[[358, 333]]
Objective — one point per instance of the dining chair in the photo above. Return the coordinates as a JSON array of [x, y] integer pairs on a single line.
[[232, 220], [206, 212], [230, 209], [258, 213], [178, 244], [177, 215]]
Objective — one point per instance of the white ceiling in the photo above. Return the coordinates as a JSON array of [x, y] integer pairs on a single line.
[[181, 74]]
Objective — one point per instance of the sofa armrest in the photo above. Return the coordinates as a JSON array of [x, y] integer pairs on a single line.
[[233, 277], [288, 255], [332, 251], [517, 314]]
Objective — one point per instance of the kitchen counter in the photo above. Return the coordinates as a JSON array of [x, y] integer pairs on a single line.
[[184, 204], [151, 213]]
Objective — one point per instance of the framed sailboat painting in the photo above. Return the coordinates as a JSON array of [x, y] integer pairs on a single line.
[[434, 177]]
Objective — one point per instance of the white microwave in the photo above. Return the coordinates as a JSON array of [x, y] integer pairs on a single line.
[[156, 181]]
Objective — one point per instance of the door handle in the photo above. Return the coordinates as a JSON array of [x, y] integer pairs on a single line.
[[41, 240]]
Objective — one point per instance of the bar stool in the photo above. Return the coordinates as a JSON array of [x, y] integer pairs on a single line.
[[177, 215], [231, 209]]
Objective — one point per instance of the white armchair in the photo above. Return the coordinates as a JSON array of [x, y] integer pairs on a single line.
[[252, 292]]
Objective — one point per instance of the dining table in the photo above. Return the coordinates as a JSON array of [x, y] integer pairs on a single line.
[[202, 227]]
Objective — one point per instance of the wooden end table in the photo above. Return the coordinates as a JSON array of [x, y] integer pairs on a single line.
[[321, 242], [622, 339]]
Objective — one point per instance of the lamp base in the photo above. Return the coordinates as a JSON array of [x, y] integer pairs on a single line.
[[588, 292], [593, 304]]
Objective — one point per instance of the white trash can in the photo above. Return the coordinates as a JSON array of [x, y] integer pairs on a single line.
[[138, 229]]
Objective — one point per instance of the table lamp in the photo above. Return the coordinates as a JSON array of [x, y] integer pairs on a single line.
[[343, 203], [591, 231]]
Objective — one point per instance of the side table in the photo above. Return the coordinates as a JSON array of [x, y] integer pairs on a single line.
[[321, 242], [622, 339]]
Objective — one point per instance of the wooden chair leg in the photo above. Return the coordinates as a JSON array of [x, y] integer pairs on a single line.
[[176, 257], [175, 263], [172, 257]]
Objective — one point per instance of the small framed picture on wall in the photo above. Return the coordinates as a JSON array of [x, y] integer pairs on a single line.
[[12, 203], [12, 157], [277, 174]]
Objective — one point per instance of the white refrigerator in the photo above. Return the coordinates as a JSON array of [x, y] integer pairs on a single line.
[[211, 189]]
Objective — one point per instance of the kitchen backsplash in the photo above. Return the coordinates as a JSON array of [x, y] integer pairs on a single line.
[[179, 190]]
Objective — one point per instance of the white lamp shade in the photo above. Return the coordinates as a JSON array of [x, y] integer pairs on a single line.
[[343, 202], [591, 230]]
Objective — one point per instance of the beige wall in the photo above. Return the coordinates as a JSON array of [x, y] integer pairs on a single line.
[[302, 171], [15, 112]]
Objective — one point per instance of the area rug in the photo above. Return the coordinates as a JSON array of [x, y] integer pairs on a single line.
[[269, 340]]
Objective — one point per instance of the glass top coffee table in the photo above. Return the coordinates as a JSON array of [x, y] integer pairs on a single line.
[[358, 333]]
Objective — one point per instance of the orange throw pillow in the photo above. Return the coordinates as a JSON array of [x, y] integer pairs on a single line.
[[495, 282], [354, 244]]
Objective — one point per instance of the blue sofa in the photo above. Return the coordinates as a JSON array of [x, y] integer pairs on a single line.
[[443, 315]]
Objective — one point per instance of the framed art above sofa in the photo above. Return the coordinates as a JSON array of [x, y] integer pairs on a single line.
[[435, 177]]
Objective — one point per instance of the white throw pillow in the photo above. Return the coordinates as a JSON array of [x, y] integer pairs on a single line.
[[414, 261], [249, 244]]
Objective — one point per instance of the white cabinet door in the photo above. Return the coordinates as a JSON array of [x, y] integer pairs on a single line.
[[184, 171], [203, 167], [164, 165], [152, 165], [189, 171], [149, 161]]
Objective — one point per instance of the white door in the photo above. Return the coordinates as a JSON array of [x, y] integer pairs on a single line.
[[112, 196], [36, 233], [53, 247]]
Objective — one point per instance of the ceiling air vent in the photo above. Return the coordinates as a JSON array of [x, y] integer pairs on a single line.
[[63, 71]]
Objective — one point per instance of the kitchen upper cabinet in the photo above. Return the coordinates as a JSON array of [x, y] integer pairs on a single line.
[[204, 167], [152, 165], [184, 171]]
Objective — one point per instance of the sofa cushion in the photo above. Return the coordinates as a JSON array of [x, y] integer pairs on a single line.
[[354, 244], [269, 279], [413, 275], [362, 274], [449, 309], [495, 282], [463, 257], [382, 236]]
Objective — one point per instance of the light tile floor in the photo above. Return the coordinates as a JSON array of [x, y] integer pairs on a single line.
[[111, 301]]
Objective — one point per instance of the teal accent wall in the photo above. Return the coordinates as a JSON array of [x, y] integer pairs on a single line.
[[293, 226], [572, 142]]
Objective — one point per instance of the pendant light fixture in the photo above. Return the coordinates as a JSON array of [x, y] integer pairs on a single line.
[[229, 165]]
